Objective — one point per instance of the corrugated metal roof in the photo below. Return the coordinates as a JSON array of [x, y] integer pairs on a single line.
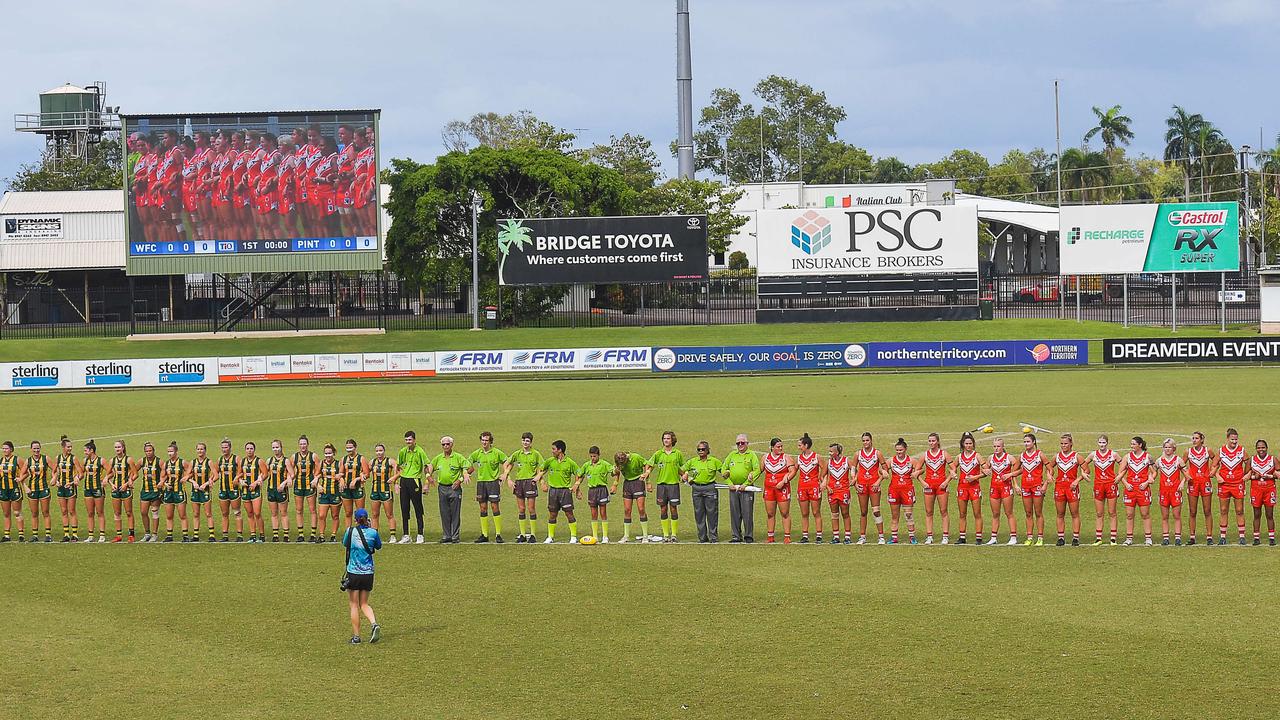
[[68, 88], [67, 201]]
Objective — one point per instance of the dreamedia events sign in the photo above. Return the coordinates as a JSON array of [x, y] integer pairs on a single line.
[[1191, 350], [1169, 237], [867, 241], [639, 249]]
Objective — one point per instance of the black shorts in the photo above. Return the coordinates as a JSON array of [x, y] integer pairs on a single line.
[[559, 499], [359, 582], [489, 491], [526, 488], [597, 496], [668, 494], [632, 489]]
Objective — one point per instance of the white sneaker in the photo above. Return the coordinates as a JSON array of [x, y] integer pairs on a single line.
[[1147, 542], [944, 540], [928, 540], [102, 538], [604, 541], [862, 540], [89, 539], [419, 541], [573, 540], [622, 540], [880, 541], [549, 540], [404, 539], [1013, 540], [1128, 542], [643, 539], [992, 541], [146, 538]]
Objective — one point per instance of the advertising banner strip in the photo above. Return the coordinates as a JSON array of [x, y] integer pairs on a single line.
[[640, 249], [834, 356], [867, 241], [81, 374], [541, 360], [1191, 350], [1169, 237]]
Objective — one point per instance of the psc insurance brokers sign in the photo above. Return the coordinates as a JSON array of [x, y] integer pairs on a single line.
[[637, 249], [867, 241], [1169, 237]]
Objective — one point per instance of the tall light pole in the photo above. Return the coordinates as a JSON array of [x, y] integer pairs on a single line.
[[1057, 125], [684, 92], [475, 261], [1248, 203]]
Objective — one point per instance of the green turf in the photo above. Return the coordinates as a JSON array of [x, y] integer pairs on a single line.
[[106, 348], [644, 631]]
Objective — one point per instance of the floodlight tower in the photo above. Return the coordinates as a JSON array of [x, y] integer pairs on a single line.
[[684, 92]]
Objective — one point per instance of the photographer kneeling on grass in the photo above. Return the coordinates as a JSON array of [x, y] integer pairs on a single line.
[[361, 543]]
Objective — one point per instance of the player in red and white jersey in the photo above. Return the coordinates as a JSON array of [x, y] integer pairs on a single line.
[[872, 469], [1231, 466], [836, 478], [809, 474], [286, 186], [266, 190], [252, 171], [1198, 462], [324, 174], [345, 200], [1170, 471], [968, 468], [166, 188], [1262, 491], [1031, 463], [1105, 490], [1135, 477], [902, 490], [365, 186], [935, 468], [778, 469], [1066, 489], [1002, 467]]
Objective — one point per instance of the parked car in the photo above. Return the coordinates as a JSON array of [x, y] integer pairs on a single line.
[[1145, 285]]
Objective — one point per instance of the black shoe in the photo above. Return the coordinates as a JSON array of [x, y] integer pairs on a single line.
[[186, 538], [1061, 542], [1256, 542], [355, 640], [239, 538], [286, 539], [520, 539], [961, 540], [375, 633], [482, 539], [22, 538], [1075, 542], [1222, 540], [66, 539], [804, 539], [1271, 542], [1192, 541], [848, 540], [6, 539], [498, 539], [734, 540], [1242, 541], [1164, 542], [748, 539], [817, 540], [168, 538]]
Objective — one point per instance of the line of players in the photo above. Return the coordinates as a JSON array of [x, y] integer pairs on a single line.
[[335, 482], [252, 184]]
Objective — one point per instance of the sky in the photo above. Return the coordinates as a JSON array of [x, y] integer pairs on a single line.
[[918, 78]]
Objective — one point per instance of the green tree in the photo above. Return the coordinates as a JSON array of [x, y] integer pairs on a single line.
[[890, 170], [1158, 181], [967, 167], [101, 170], [1013, 177], [505, 132], [697, 197], [1085, 174], [632, 156], [1112, 126], [839, 162], [1181, 137]]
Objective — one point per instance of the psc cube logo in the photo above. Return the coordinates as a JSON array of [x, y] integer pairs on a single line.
[[811, 233]]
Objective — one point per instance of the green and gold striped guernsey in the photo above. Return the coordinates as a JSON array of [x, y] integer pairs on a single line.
[[351, 467], [149, 474], [66, 469], [304, 470], [38, 473], [227, 465], [252, 470], [173, 469], [329, 473], [200, 470], [120, 470], [380, 474], [9, 473], [92, 479], [277, 472]]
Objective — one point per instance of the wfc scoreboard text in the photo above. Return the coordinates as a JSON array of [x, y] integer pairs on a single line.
[[224, 247]]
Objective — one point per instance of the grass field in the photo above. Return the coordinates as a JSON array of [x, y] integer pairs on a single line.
[[650, 631]]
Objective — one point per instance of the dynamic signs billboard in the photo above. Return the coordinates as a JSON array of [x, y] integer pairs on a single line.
[[640, 249], [867, 241], [269, 192], [1169, 237]]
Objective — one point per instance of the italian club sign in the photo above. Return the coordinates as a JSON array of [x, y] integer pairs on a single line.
[[867, 241], [593, 250], [1169, 237]]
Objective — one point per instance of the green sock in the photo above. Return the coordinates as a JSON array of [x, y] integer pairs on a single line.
[[626, 529], [533, 524], [644, 528], [666, 527], [595, 528], [675, 526], [522, 523], [573, 529], [551, 530], [497, 524], [484, 525], [604, 528]]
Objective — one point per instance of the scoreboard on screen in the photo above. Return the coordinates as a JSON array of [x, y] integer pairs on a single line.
[[256, 192]]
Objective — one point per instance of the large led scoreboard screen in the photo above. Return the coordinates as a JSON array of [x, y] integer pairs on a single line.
[[260, 192]]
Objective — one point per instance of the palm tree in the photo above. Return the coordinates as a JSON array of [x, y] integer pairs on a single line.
[[1269, 162], [1182, 131], [1113, 127], [1086, 172], [1217, 157]]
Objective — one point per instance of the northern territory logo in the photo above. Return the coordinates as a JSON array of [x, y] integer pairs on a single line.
[[811, 233]]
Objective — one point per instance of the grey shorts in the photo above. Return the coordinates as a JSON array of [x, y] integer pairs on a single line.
[[597, 496], [489, 491], [668, 494], [632, 489], [526, 488], [559, 499]]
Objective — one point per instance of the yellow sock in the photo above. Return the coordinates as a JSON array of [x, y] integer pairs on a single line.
[[595, 528], [675, 526], [497, 524], [573, 529], [666, 527], [551, 530], [484, 524], [604, 529]]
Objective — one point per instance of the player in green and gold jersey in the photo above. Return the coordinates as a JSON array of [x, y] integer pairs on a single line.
[[384, 479], [253, 470], [229, 491], [629, 471], [330, 493], [355, 469], [10, 490], [66, 477], [173, 477], [278, 491], [92, 472], [489, 467], [557, 476], [149, 492], [200, 474], [597, 473], [123, 473], [37, 474], [304, 469], [667, 462], [525, 462]]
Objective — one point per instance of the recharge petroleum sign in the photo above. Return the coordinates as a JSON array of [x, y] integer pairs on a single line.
[[1170, 237], [831, 241]]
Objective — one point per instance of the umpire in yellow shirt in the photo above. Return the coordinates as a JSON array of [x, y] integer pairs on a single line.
[[742, 470]]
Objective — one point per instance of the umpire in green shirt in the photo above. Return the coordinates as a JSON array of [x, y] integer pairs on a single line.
[[413, 462], [701, 473], [742, 469], [450, 470]]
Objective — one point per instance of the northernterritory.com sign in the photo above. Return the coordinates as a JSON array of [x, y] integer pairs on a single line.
[[1169, 237], [639, 249], [867, 241]]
